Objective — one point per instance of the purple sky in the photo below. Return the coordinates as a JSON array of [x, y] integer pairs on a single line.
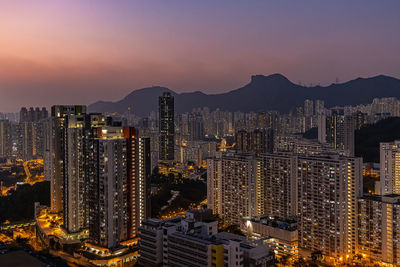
[[74, 51]]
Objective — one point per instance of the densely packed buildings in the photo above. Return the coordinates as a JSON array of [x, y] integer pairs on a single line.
[[99, 175], [321, 190], [195, 241], [295, 196]]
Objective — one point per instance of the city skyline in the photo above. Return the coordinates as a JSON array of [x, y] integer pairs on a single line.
[[103, 52], [181, 133], [119, 189]]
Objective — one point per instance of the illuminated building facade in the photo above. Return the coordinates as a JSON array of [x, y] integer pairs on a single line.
[[56, 137], [120, 169], [299, 145], [328, 188], [235, 180], [78, 134], [257, 141], [320, 190], [76, 173], [276, 185], [108, 209], [140, 192], [166, 127], [26, 148], [214, 184], [196, 152], [30, 133], [386, 105], [281, 234], [194, 241], [195, 127], [390, 168], [337, 130], [379, 229]]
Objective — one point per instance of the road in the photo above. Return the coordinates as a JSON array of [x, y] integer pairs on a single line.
[[29, 179], [196, 176]]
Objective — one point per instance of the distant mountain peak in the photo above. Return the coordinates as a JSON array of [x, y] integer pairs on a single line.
[[275, 78]]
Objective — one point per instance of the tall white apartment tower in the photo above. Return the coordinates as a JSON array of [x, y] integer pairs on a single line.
[[75, 174], [232, 177], [328, 187], [214, 184], [390, 167], [108, 196], [277, 185]]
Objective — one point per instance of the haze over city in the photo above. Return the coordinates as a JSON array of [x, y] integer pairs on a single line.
[[83, 51]]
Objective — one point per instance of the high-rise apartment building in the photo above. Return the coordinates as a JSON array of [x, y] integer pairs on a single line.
[[77, 136], [26, 141], [166, 126], [99, 175], [276, 185], [257, 141], [119, 172], [338, 131], [328, 188], [390, 168], [379, 229], [361, 119], [33, 114], [57, 142], [386, 105], [214, 184], [108, 208], [299, 145], [30, 134], [195, 127], [321, 190], [5, 139], [233, 183], [308, 107], [319, 107]]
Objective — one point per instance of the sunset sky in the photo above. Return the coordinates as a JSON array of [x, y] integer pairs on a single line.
[[81, 51]]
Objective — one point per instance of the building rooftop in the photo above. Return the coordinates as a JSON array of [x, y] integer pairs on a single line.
[[153, 222], [389, 198], [276, 222]]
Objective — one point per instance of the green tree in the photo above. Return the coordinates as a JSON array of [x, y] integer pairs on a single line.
[[300, 262], [284, 260], [316, 256]]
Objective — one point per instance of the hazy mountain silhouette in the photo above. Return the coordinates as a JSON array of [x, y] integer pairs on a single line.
[[273, 92]]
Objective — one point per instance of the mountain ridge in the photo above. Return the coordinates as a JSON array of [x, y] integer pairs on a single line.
[[262, 93]]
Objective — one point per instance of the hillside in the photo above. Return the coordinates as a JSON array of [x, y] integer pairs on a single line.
[[367, 139], [273, 92]]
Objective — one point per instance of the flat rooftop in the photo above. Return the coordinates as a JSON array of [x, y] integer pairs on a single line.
[[276, 222]]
